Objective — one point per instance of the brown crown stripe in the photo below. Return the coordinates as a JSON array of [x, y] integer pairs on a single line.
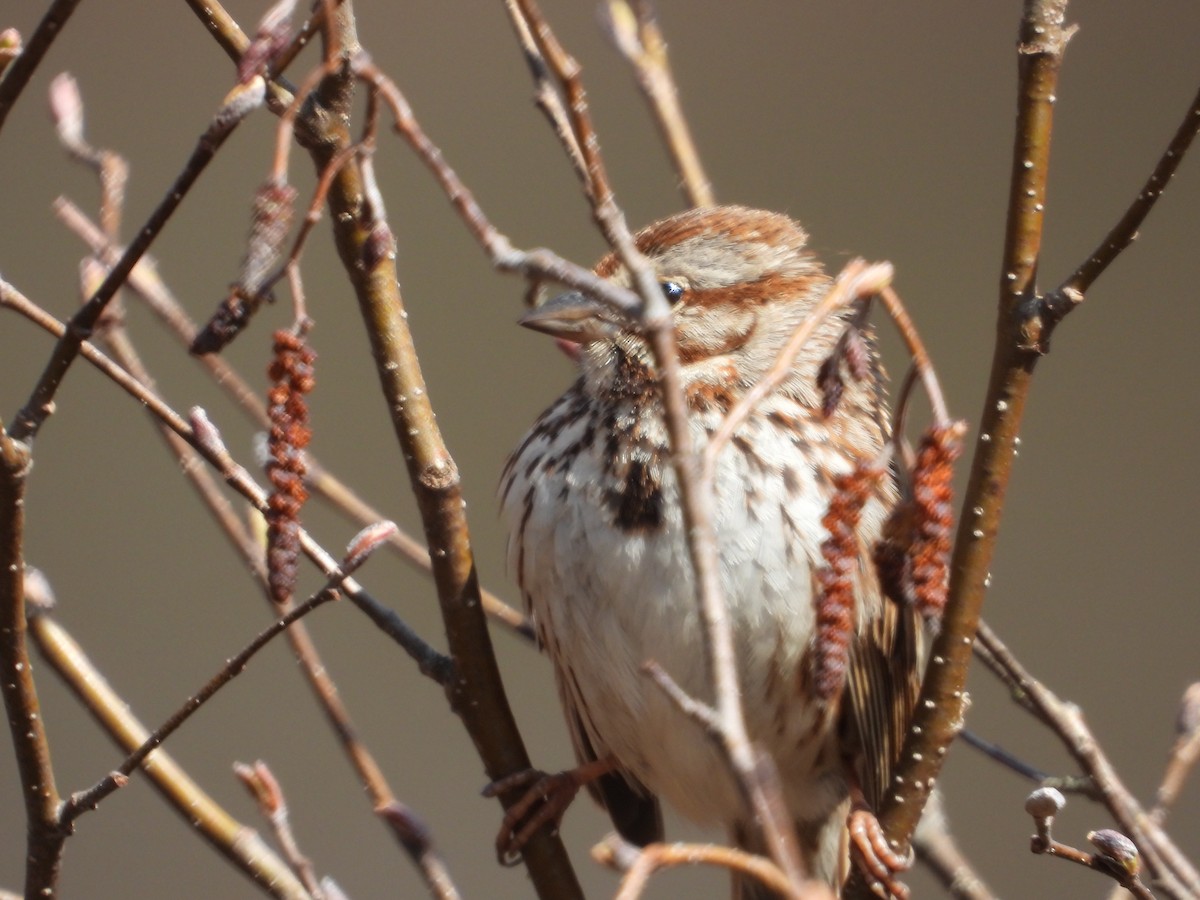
[[771, 229], [749, 224], [753, 293]]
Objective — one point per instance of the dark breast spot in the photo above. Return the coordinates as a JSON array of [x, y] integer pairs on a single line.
[[637, 505], [791, 482], [745, 446]]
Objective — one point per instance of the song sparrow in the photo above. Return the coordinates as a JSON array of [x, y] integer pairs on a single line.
[[597, 543]]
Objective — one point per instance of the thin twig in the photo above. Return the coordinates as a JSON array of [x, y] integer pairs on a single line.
[[539, 264], [21, 69], [545, 94], [40, 404], [147, 284], [262, 784], [1071, 292], [225, 30], [855, 281], [312, 666], [922, 364], [701, 713], [1116, 855], [311, 217], [937, 850], [1184, 755], [652, 310], [640, 863], [429, 661], [234, 840], [755, 773], [417, 840], [1068, 784], [311, 26], [1169, 868], [112, 172], [1051, 847], [87, 800], [634, 29], [285, 131]]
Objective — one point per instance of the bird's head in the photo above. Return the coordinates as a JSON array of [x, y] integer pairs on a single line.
[[739, 281]]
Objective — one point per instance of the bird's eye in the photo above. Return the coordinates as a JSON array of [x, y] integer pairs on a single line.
[[673, 291]]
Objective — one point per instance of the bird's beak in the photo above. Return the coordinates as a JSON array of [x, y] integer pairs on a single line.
[[572, 316]]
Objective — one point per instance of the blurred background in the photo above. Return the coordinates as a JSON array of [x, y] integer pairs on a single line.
[[885, 128]]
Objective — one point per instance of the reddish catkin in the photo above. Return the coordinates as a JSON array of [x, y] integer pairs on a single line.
[[933, 498], [291, 372], [834, 597]]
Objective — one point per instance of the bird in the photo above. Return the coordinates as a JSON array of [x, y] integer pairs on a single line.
[[597, 543]]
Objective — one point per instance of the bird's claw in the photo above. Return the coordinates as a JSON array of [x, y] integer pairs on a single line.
[[875, 857], [545, 800]]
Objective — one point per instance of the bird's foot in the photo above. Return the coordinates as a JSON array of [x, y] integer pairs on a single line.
[[544, 801], [878, 861]]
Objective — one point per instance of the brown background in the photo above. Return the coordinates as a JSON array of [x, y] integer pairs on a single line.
[[885, 128]]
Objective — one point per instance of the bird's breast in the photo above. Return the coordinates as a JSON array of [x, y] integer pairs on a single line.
[[597, 542]]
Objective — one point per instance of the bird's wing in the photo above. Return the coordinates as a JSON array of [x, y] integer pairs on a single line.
[[634, 810], [882, 684]]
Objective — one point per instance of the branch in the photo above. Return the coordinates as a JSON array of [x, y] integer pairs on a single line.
[[234, 666], [937, 850], [367, 250], [634, 29], [1184, 755], [855, 281], [939, 712], [1168, 867], [68, 108], [237, 842], [755, 772], [1116, 856], [639, 863], [418, 841], [1071, 292], [239, 103], [21, 69], [1068, 784], [429, 661], [262, 785], [225, 30], [146, 283], [44, 834]]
